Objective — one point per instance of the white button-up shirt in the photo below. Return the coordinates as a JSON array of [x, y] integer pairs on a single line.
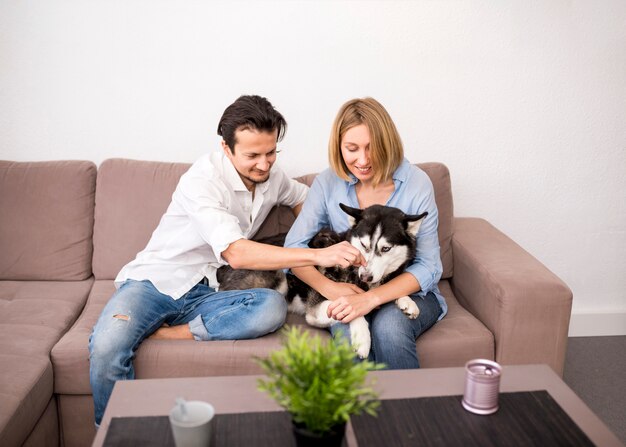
[[210, 209]]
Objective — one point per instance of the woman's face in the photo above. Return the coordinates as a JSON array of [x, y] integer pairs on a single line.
[[355, 150]]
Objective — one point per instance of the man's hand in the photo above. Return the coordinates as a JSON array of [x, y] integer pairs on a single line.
[[349, 307], [342, 254]]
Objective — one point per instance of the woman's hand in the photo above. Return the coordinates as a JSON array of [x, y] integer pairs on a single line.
[[335, 290], [349, 307]]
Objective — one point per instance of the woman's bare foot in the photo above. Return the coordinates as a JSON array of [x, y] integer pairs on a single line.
[[180, 332]]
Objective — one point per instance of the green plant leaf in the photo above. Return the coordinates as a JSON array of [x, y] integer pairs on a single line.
[[320, 383]]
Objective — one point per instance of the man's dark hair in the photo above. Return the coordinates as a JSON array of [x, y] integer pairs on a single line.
[[250, 112]]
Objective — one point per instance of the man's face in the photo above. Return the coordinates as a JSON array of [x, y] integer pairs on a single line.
[[255, 153]]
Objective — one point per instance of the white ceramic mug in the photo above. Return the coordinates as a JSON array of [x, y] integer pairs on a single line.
[[192, 428]]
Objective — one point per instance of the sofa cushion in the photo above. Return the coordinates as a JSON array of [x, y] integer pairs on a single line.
[[25, 391], [455, 339], [33, 317], [46, 221], [131, 197], [452, 341], [35, 314], [70, 356], [440, 176], [162, 358]]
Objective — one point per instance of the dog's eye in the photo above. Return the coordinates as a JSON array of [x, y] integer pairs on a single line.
[[367, 250], [385, 249]]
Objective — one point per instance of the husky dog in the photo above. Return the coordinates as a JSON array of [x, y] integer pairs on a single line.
[[387, 239]]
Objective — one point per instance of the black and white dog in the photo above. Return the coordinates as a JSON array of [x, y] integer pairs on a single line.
[[387, 239]]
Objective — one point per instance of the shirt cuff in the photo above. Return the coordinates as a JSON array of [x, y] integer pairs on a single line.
[[224, 242], [424, 277]]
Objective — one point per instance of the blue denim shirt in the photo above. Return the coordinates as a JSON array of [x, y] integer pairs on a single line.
[[413, 194]]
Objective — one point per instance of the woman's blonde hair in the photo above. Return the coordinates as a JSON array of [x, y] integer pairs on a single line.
[[386, 151]]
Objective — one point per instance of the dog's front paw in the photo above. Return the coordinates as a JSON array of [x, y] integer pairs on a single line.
[[408, 307], [360, 337]]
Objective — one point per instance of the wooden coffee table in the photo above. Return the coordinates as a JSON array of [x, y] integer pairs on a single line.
[[239, 394]]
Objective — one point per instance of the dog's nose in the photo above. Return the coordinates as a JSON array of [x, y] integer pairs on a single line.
[[366, 277]]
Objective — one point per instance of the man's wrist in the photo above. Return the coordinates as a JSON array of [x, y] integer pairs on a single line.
[[313, 256], [326, 287]]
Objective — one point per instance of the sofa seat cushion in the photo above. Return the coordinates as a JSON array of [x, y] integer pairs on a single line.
[[162, 358], [70, 356], [33, 317], [35, 314], [46, 223], [25, 391], [457, 338], [451, 342]]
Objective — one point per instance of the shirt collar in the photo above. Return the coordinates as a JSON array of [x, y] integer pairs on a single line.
[[402, 172], [262, 188], [231, 175]]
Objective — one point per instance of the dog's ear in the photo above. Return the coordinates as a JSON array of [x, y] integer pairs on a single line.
[[354, 214], [413, 222]]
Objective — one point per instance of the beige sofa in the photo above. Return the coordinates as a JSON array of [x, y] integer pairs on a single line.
[[66, 230]]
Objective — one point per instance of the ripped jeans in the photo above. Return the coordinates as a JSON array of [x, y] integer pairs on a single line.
[[137, 309]]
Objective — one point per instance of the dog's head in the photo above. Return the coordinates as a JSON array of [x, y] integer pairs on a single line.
[[386, 238]]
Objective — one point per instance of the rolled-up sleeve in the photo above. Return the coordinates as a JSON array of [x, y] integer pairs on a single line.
[[426, 265]]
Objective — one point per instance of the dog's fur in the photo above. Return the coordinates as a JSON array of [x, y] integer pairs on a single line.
[[387, 239]]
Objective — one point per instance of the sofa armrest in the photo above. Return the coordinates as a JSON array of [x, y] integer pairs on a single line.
[[525, 305]]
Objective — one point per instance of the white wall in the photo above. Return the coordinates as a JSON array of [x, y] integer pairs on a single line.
[[525, 101]]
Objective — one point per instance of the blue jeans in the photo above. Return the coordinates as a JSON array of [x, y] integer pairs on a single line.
[[137, 309], [394, 335]]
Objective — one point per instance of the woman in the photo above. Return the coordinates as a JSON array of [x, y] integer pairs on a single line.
[[367, 167]]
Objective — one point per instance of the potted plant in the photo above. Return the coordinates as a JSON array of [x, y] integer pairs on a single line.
[[320, 384]]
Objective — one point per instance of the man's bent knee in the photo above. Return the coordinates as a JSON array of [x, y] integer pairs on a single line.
[[273, 312], [102, 348]]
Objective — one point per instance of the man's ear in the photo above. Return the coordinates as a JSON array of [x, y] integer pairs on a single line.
[[354, 214], [226, 149], [413, 223]]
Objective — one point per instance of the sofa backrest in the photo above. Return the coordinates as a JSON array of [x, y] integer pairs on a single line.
[[131, 197], [46, 220], [440, 176]]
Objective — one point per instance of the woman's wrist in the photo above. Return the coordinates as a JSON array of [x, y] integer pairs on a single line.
[[373, 298]]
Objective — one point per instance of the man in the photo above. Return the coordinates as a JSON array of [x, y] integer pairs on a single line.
[[218, 203]]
